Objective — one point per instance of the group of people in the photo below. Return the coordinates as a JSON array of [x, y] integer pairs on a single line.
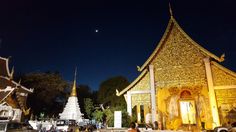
[[134, 127]]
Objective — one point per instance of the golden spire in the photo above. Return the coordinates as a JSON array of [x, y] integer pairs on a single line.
[[73, 91], [170, 10]]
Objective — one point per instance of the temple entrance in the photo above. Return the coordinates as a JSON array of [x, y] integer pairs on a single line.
[[188, 111], [187, 108]]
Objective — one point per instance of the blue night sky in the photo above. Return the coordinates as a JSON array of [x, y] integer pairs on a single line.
[[106, 38]]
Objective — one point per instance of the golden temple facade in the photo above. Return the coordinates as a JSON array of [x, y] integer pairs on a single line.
[[182, 86]]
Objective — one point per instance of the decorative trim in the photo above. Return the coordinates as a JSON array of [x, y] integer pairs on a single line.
[[7, 94], [7, 65], [31, 90], [139, 92], [129, 103], [225, 87]]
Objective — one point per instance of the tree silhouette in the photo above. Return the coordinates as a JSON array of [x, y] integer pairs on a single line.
[[107, 91], [48, 95]]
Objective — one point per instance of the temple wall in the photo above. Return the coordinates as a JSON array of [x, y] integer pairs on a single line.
[[226, 104], [143, 84], [225, 96], [141, 99], [179, 62]]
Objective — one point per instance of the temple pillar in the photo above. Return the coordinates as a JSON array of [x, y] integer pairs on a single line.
[[211, 93], [153, 94], [138, 113], [145, 112], [129, 103]]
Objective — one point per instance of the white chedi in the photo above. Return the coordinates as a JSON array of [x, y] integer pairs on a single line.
[[72, 109]]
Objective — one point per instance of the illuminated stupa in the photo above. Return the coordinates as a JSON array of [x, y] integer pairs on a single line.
[[72, 109]]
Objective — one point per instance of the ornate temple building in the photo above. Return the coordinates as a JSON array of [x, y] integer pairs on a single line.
[[72, 109], [12, 94], [182, 85]]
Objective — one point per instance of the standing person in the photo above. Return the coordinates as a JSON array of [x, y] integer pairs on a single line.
[[136, 127], [132, 127]]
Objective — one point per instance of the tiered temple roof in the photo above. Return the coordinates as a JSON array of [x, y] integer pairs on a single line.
[[11, 92], [172, 25]]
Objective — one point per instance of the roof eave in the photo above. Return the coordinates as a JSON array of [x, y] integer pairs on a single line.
[[223, 68], [18, 84], [24, 88]]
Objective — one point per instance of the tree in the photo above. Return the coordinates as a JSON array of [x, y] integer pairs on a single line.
[[109, 117], [88, 106], [98, 115], [107, 91], [111, 102], [83, 91], [48, 95]]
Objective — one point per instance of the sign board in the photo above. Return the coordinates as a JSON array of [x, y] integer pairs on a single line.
[[117, 119], [17, 115]]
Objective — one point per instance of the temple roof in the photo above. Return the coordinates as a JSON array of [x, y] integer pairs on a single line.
[[133, 83], [8, 86], [4, 90], [232, 73], [5, 94], [172, 22]]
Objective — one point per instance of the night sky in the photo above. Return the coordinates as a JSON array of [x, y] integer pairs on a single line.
[[106, 38]]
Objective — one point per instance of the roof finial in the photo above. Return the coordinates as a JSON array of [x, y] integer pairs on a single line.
[[73, 91], [12, 73], [222, 57], [170, 10]]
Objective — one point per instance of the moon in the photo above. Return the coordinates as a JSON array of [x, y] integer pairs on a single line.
[[96, 30]]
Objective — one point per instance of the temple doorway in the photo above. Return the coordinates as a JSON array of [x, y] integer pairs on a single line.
[[188, 111], [187, 108]]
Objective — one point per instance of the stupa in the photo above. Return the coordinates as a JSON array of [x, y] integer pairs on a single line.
[[72, 109]]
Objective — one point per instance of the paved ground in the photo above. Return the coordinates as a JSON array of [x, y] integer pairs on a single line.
[[142, 130]]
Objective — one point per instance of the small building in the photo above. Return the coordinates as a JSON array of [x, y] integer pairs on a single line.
[[182, 85], [13, 95]]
